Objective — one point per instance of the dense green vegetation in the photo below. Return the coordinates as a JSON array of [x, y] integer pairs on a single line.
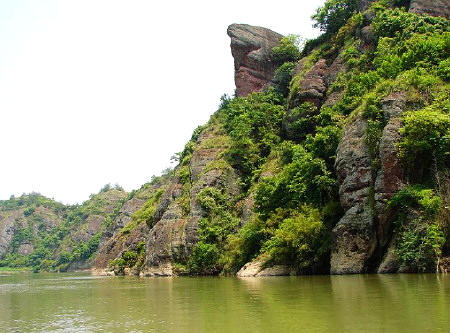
[[283, 149], [69, 221], [290, 171]]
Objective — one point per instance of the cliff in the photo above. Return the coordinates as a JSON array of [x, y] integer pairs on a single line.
[[331, 159]]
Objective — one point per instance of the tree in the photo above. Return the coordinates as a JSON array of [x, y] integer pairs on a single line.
[[334, 14]]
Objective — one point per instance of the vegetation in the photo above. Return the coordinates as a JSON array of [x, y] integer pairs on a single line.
[[282, 147], [334, 14], [129, 259], [48, 239], [420, 238]]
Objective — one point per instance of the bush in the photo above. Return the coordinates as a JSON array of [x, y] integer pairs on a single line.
[[425, 141], [287, 50], [204, 259], [299, 240], [416, 197], [334, 14], [420, 245], [324, 144], [146, 213], [254, 125], [301, 121], [444, 69], [401, 24], [244, 246], [420, 238], [304, 180], [283, 77]]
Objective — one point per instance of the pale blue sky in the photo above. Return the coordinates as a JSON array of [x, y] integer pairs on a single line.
[[104, 91]]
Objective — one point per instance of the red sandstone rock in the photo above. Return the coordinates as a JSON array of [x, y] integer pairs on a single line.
[[251, 48]]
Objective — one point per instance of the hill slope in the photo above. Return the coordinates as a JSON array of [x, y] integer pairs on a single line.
[[334, 159]]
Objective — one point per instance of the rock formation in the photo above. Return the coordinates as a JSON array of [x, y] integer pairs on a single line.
[[175, 233], [366, 225], [251, 48], [431, 7], [368, 176]]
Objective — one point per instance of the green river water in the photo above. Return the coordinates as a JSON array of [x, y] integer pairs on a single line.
[[358, 303]]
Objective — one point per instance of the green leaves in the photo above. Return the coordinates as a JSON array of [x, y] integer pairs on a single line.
[[299, 239], [304, 180], [334, 14], [426, 138], [288, 50], [254, 125]]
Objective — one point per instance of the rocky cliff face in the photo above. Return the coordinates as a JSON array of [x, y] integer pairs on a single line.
[[431, 7], [153, 231], [175, 233], [24, 221], [366, 225], [251, 48]]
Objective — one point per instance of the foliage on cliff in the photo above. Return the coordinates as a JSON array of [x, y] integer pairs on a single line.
[[293, 180], [261, 181]]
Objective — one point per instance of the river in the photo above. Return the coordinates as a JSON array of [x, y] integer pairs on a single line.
[[357, 303]]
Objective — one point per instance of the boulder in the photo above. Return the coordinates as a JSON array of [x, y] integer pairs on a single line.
[[251, 48], [256, 268]]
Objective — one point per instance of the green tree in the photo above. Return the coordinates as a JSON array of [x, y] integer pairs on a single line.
[[334, 14]]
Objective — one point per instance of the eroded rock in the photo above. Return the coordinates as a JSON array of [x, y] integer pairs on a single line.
[[175, 234], [431, 7], [256, 268], [251, 48], [364, 232]]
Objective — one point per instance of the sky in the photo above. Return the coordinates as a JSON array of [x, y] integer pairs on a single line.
[[105, 91]]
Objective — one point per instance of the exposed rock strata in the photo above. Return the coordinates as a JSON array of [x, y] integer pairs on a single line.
[[431, 7], [366, 225], [251, 48], [175, 234]]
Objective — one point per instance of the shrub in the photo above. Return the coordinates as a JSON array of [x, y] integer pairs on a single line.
[[301, 121], [324, 144], [334, 14], [420, 238], [204, 259], [300, 239], [420, 245], [416, 197], [244, 246], [146, 213], [254, 125], [444, 69], [287, 50], [400, 24], [283, 77], [425, 141], [304, 180]]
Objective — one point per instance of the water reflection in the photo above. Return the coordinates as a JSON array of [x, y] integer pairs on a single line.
[[372, 303]]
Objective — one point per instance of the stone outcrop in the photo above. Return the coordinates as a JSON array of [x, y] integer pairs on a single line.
[[390, 176], [431, 7], [256, 268], [251, 48], [7, 229], [312, 87], [15, 221], [175, 234], [364, 231], [354, 235]]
